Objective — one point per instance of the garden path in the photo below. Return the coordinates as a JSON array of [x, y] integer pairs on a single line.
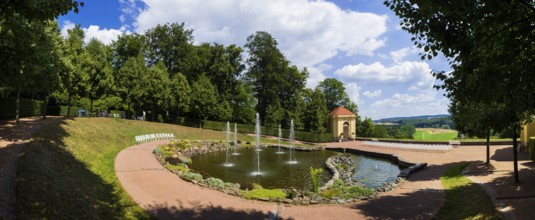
[[166, 196]]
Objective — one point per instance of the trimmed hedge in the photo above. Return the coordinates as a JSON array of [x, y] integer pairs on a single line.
[[28, 107], [62, 110], [243, 128], [531, 148]]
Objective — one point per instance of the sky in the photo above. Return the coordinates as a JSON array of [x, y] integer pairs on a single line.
[[358, 42]]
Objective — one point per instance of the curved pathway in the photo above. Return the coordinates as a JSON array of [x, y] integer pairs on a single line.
[[166, 196]]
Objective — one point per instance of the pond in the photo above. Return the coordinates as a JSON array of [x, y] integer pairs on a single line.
[[276, 172]]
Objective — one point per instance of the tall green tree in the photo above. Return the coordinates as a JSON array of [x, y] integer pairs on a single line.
[[335, 93], [95, 64], [204, 95], [131, 85], [180, 95], [316, 111], [170, 44], [73, 78], [157, 88], [274, 80], [490, 47]]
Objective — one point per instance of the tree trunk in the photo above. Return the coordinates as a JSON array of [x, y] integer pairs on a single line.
[[128, 112], [515, 155], [91, 107], [488, 146], [17, 106], [45, 103], [69, 106]]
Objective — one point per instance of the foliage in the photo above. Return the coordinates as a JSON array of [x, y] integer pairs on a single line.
[[215, 183], [464, 199], [352, 192], [490, 47], [315, 175], [274, 80], [204, 98], [365, 128], [192, 177], [316, 112], [335, 94], [27, 107], [258, 192], [180, 167]]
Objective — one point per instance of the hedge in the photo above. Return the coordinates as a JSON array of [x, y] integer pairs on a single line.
[[531, 148], [243, 128], [62, 110], [28, 107]]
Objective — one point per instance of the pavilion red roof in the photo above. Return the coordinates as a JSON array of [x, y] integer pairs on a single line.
[[341, 111]]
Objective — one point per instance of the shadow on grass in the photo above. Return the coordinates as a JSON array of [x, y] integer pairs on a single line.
[[164, 211], [51, 183]]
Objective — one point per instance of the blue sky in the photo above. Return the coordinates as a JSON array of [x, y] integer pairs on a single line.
[[359, 42]]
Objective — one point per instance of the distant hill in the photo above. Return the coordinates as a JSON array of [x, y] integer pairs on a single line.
[[424, 121], [394, 119]]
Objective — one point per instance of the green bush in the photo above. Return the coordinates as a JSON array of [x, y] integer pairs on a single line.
[[315, 175], [215, 183], [180, 167], [531, 148], [356, 191], [260, 193], [331, 193], [28, 107], [192, 177]]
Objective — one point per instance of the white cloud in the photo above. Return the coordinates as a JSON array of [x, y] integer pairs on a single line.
[[417, 73], [308, 32], [353, 91], [106, 36], [372, 94], [422, 103], [67, 25]]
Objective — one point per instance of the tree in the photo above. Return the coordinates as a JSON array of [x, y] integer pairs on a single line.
[[274, 80], [156, 89], [95, 64], [170, 44], [366, 128], [203, 98], [335, 94], [477, 120], [490, 47], [73, 78], [316, 111], [130, 82], [23, 41], [180, 92]]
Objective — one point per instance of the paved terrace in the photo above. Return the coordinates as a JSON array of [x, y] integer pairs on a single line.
[[167, 196]]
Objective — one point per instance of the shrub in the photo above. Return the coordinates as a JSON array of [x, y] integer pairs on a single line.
[[215, 183], [180, 167], [192, 177], [331, 192], [531, 148], [259, 193], [315, 175], [158, 150], [356, 191]]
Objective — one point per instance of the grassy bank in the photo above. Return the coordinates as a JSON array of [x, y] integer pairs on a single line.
[[464, 199], [433, 134], [67, 171]]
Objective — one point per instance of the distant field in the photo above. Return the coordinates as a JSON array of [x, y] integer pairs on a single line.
[[434, 134]]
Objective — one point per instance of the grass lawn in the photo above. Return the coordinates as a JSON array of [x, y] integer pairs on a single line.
[[464, 199], [433, 134], [67, 171]]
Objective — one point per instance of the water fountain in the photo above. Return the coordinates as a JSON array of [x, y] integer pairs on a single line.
[[280, 137], [257, 138], [292, 138], [235, 140], [257, 133], [227, 163]]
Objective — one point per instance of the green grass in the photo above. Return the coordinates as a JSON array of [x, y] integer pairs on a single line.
[[434, 134], [464, 199], [67, 171]]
